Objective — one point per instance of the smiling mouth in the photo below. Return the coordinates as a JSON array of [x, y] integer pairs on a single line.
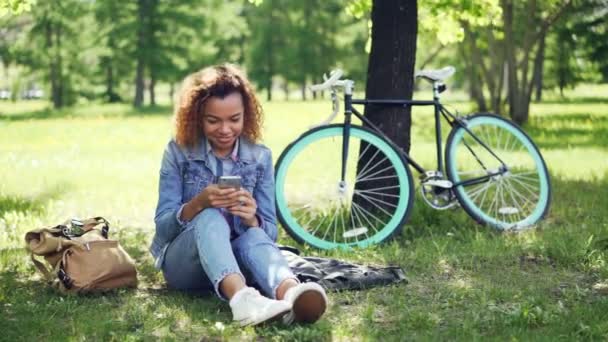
[[224, 140]]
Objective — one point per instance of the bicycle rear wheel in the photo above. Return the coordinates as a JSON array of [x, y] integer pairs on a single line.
[[518, 194], [316, 207]]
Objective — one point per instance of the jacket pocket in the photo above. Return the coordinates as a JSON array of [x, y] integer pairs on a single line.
[[250, 178], [195, 179]]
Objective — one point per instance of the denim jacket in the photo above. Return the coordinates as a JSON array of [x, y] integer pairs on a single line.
[[185, 172]]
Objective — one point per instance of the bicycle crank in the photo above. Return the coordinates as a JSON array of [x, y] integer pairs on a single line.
[[437, 191]]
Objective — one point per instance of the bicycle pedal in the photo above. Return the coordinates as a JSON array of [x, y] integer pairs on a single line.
[[442, 183]]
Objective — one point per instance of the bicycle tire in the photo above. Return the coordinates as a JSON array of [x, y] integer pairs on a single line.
[[295, 161], [520, 197]]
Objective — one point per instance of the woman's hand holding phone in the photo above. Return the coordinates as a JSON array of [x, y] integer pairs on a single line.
[[215, 197], [245, 208], [237, 202]]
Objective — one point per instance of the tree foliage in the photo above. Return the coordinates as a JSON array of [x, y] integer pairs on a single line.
[[121, 51]]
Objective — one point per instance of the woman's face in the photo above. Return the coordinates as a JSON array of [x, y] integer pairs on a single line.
[[223, 121]]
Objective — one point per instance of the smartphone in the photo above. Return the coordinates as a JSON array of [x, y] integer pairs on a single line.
[[229, 182]]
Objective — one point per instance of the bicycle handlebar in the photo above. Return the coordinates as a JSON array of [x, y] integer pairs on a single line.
[[334, 77]]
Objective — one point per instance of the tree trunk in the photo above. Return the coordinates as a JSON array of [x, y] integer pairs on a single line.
[[495, 75], [520, 90], [516, 111], [151, 89], [269, 89], [139, 83], [473, 62], [538, 69], [390, 71], [109, 81], [108, 63], [138, 101], [390, 75], [51, 35], [303, 90]]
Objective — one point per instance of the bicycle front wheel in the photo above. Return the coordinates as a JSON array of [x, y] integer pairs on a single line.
[[316, 207], [513, 190]]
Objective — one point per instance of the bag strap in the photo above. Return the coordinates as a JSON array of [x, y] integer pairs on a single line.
[[93, 222], [64, 277], [40, 266]]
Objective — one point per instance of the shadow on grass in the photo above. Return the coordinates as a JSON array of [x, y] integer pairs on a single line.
[[151, 312], [467, 281], [575, 100], [29, 205], [150, 111], [93, 110], [464, 275], [563, 131]]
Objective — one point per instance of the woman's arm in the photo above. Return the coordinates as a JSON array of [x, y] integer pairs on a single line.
[[264, 196], [170, 188]]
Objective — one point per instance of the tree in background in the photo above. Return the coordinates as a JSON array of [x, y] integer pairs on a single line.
[[15, 6], [525, 25], [57, 46], [390, 71], [312, 48], [268, 23], [114, 36], [578, 47], [84, 49]]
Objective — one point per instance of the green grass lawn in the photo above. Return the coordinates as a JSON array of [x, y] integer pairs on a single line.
[[465, 281]]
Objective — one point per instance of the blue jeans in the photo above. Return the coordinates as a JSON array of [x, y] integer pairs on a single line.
[[200, 257]]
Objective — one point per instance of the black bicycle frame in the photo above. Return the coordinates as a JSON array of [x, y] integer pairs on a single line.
[[439, 110]]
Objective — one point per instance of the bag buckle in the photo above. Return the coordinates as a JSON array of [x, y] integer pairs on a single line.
[[76, 228], [65, 279]]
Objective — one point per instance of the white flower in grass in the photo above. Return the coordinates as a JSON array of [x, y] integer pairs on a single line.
[[219, 326]]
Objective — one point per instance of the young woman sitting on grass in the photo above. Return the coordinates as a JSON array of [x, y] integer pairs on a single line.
[[223, 239]]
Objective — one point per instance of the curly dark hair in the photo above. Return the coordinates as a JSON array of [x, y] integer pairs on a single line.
[[221, 81]]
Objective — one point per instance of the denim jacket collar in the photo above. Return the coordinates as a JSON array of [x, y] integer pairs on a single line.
[[199, 152]]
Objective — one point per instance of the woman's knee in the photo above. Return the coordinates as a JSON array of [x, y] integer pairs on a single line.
[[210, 220], [250, 240], [255, 236]]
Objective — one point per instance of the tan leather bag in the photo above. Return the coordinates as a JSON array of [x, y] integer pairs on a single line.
[[81, 257]]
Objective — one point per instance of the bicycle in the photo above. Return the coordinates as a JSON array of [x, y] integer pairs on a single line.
[[493, 170]]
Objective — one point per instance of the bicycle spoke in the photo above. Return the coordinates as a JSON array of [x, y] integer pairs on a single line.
[[319, 225], [376, 178], [377, 200], [352, 222], [478, 192], [525, 178], [378, 193], [356, 210], [483, 198], [533, 184], [365, 173], [368, 213], [526, 200], [364, 168], [331, 222], [375, 173], [527, 187], [376, 205], [388, 187], [363, 153], [502, 199]]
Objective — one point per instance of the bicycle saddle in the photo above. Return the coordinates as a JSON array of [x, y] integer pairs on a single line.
[[436, 75]]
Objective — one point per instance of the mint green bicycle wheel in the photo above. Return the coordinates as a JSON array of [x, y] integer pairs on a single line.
[[315, 207], [514, 199]]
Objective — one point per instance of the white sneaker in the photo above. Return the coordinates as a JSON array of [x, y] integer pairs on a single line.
[[308, 303], [249, 307]]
